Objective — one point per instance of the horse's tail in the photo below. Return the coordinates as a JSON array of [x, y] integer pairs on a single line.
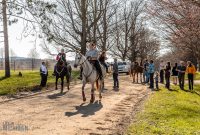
[[97, 84]]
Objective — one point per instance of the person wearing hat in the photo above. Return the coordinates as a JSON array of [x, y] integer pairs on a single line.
[[102, 59], [60, 58], [92, 55]]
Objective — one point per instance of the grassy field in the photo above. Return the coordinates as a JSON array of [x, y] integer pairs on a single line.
[[29, 80], [197, 77], [167, 112]]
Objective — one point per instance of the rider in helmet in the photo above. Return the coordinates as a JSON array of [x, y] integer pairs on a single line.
[[60, 58], [92, 56]]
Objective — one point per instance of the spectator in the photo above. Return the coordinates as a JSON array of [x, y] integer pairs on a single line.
[[175, 74], [167, 75], [115, 74], [181, 74], [162, 68], [156, 80], [43, 74], [191, 70], [146, 75], [151, 71], [102, 59]]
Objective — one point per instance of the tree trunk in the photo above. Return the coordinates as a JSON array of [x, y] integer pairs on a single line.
[[104, 29], [84, 33], [5, 29]]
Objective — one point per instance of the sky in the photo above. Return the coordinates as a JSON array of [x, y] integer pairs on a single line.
[[21, 46]]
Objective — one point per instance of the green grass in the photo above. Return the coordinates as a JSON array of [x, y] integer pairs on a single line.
[[169, 112], [197, 76], [29, 80]]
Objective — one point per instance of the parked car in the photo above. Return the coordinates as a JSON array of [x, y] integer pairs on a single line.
[[123, 67]]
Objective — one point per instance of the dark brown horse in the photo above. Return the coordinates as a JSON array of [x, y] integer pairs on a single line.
[[60, 72], [136, 70]]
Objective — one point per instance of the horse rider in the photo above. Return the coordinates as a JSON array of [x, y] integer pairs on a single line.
[[60, 58], [102, 59], [92, 56]]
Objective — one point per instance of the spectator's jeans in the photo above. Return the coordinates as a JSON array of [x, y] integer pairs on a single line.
[[151, 80], [116, 81], [191, 81], [146, 77], [167, 79], [157, 87], [181, 79], [162, 76]]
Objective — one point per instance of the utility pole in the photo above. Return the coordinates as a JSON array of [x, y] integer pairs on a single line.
[[5, 32]]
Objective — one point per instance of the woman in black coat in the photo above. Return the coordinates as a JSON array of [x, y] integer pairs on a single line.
[[175, 74], [167, 75]]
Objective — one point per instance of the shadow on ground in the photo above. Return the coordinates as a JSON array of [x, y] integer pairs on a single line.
[[56, 95], [87, 110]]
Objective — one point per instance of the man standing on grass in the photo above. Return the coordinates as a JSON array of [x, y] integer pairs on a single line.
[[181, 74], [146, 75], [43, 74], [115, 74], [151, 71], [162, 67]]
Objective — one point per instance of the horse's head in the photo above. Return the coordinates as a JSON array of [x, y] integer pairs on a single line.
[[79, 59]]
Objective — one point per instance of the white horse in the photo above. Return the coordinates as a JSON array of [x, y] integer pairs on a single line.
[[90, 75]]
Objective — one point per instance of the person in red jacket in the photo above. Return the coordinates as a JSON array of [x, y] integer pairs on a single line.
[[60, 58]]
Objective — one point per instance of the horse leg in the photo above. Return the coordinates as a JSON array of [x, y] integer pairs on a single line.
[[62, 83], [92, 94], [83, 93], [137, 77], [56, 83], [134, 78], [101, 88], [68, 82]]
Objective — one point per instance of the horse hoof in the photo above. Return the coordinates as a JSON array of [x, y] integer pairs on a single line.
[[91, 101], [84, 99]]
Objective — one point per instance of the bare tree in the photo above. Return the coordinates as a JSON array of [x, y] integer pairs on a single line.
[[33, 54], [180, 23]]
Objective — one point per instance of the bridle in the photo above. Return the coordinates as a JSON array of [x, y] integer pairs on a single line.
[[60, 71], [80, 59]]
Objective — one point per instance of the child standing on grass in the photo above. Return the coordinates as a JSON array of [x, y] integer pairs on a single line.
[[156, 79]]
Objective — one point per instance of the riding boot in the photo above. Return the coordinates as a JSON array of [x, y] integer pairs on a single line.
[[54, 71], [80, 75]]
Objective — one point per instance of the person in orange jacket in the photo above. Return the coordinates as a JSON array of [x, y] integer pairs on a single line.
[[190, 70]]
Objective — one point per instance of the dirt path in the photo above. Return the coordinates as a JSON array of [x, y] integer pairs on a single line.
[[52, 113]]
